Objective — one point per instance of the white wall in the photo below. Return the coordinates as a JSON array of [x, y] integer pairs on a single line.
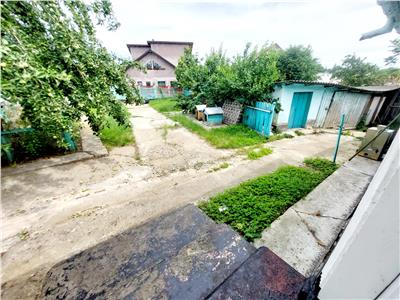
[[285, 95], [366, 258]]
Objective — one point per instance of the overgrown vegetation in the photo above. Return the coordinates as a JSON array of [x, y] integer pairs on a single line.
[[54, 66], [115, 135], [165, 105], [253, 205], [228, 137], [246, 78], [299, 132]]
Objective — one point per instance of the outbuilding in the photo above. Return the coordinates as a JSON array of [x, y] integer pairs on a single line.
[[321, 104]]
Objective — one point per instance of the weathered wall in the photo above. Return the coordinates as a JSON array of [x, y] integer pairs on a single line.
[[232, 112], [285, 95]]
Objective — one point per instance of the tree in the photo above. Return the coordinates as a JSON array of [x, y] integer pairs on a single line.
[[298, 63], [247, 78], [53, 65], [393, 59], [355, 71]]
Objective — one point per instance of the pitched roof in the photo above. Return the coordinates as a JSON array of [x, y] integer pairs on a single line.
[[156, 54]]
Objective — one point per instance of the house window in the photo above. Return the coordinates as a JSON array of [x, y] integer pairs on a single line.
[[139, 83], [148, 83], [152, 65], [161, 83]]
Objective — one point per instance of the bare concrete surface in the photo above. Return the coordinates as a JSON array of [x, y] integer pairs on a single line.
[[305, 233], [50, 214]]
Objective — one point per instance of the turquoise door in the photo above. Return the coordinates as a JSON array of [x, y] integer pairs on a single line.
[[299, 110]]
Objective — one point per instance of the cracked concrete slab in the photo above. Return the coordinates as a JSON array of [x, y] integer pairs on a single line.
[[305, 233]]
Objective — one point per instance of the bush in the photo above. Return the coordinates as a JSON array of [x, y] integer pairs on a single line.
[[115, 135], [253, 205]]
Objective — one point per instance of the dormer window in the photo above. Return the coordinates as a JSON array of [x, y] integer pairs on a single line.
[[152, 65]]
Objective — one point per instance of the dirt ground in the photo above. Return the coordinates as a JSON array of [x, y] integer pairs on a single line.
[[49, 214]]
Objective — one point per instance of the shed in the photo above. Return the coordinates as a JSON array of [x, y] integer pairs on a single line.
[[321, 104], [199, 111], [214, 115]]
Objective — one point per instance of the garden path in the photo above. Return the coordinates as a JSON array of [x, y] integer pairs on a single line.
[[40, 229]]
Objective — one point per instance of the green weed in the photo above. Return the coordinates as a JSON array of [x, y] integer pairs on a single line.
[[115, 135], [23, 234], [219, 167], [253, 205], [298, 132], [325, 166], [280, 136], [165, 105], [258, 153]]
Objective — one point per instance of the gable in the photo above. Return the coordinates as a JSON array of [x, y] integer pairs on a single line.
[[156, 58]]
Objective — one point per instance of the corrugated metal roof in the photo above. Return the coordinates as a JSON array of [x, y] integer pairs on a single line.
[[380, 88], [366, 89], [213, 111]]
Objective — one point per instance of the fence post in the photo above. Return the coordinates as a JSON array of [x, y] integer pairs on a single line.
[[338, 139]]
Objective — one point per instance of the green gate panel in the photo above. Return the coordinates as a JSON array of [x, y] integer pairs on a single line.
[[299, 109], [259, 117]]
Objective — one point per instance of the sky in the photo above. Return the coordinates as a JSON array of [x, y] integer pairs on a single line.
[[331, 27]]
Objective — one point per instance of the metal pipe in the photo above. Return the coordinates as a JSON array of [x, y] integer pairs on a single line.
[[338, 138]]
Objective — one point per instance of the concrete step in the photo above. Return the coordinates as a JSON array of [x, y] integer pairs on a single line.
[[181, 255]]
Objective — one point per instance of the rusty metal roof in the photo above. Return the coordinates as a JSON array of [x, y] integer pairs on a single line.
[[362, 89]]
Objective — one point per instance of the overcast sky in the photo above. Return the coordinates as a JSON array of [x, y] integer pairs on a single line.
[[331, 27]]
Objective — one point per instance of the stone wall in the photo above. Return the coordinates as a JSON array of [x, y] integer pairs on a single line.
[[232, 112]]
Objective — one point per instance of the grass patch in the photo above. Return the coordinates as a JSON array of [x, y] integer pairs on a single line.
[[280, 136], [115, 135], [326, 167], [257, 153], [298, 132], [219, 167], [253, 205], [229, 137], [165, 105]]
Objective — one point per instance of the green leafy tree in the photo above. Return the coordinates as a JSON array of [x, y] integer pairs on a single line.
[[247, 78], [298, 63], [53, 65], [355, 71], [395, 49]]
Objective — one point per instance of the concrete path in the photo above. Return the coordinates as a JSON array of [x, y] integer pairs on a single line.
[[168, 147], [306, 232], [39, 232]]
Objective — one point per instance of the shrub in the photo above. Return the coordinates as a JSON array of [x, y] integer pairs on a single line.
[[115, 135]]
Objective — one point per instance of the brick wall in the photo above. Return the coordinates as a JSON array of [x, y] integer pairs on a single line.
[[232, 112]]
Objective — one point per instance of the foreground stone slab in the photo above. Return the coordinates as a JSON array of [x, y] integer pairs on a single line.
[[181, 255], [264, 276]]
